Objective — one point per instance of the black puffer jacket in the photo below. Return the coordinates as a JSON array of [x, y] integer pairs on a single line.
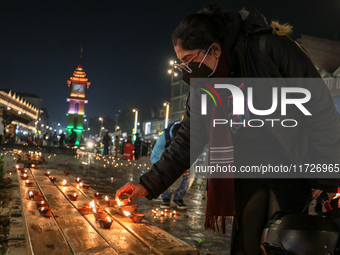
[[263, 54]]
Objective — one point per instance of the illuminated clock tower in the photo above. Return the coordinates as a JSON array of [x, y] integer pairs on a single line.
[[78, 85]]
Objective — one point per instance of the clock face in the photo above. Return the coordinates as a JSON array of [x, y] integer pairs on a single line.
[[78, 88]]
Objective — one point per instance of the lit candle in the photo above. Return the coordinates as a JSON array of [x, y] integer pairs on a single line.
[[30, 194], [64, 182], [33, 165], [81, 184], [106, 198], [97, 193], [42, 202], [25, 175], [27, 181], [92, 205], [48, 172], [17, 166], [108, 219], [127, 213]]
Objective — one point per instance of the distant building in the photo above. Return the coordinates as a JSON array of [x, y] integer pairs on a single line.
[[155, 125], [20, 115], [78, 85], [179, 95]]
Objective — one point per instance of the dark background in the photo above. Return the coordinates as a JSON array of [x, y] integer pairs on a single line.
[[127, 46]]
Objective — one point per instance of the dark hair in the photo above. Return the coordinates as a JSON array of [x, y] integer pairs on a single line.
[[208, 26]]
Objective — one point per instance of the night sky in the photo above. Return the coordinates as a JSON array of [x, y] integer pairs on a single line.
[[127, 46]]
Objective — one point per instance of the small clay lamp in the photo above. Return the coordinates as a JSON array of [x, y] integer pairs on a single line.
[[99, 215], [84, 210], [24, 177], [175, 213], [63, 183], [77, 180], [31, 194], [53, 179], [45, 211], [38, 197], [47, 173], [23, 171], [72, 197], [84, 186], [41, 204], [29, 183], [138, 217], [66, 172], [97, 195], [106, 224], [130, 208], [110, 202]]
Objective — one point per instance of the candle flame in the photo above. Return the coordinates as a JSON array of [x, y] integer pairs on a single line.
[[127, 213], [42, 208], [75, 194], [64, 182], [48, 172], [31, 193], [108, 219], [97, 193], [92, 205], [25, 175], [33, 165], [94, 210], [81, 184], [27, 181], [17, 166], [78, 179], [106, 198]]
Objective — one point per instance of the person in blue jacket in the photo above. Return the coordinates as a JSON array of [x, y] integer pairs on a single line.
[[162, 143]]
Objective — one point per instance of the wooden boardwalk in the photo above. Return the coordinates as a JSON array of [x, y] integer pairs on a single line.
[[69, 232]]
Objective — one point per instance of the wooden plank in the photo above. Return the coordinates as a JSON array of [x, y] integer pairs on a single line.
[[153, 237], [43, 235], [81, 236], [118, 237]]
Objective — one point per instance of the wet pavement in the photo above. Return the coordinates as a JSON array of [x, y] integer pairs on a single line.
[[108, 175]]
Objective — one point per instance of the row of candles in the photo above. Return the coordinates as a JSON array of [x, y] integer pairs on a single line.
[[42, 206], [165, 213]]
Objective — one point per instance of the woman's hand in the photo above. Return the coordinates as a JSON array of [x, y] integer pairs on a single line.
[[317, 192], [133, 190]]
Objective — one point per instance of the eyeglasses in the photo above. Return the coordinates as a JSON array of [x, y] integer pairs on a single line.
[[185, 66]]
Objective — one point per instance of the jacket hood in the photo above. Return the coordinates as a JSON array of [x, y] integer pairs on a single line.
[[254, 21]]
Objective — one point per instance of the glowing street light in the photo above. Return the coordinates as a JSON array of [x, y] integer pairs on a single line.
[[167, 107], [101, 126], [134, 131], [171, 71]]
